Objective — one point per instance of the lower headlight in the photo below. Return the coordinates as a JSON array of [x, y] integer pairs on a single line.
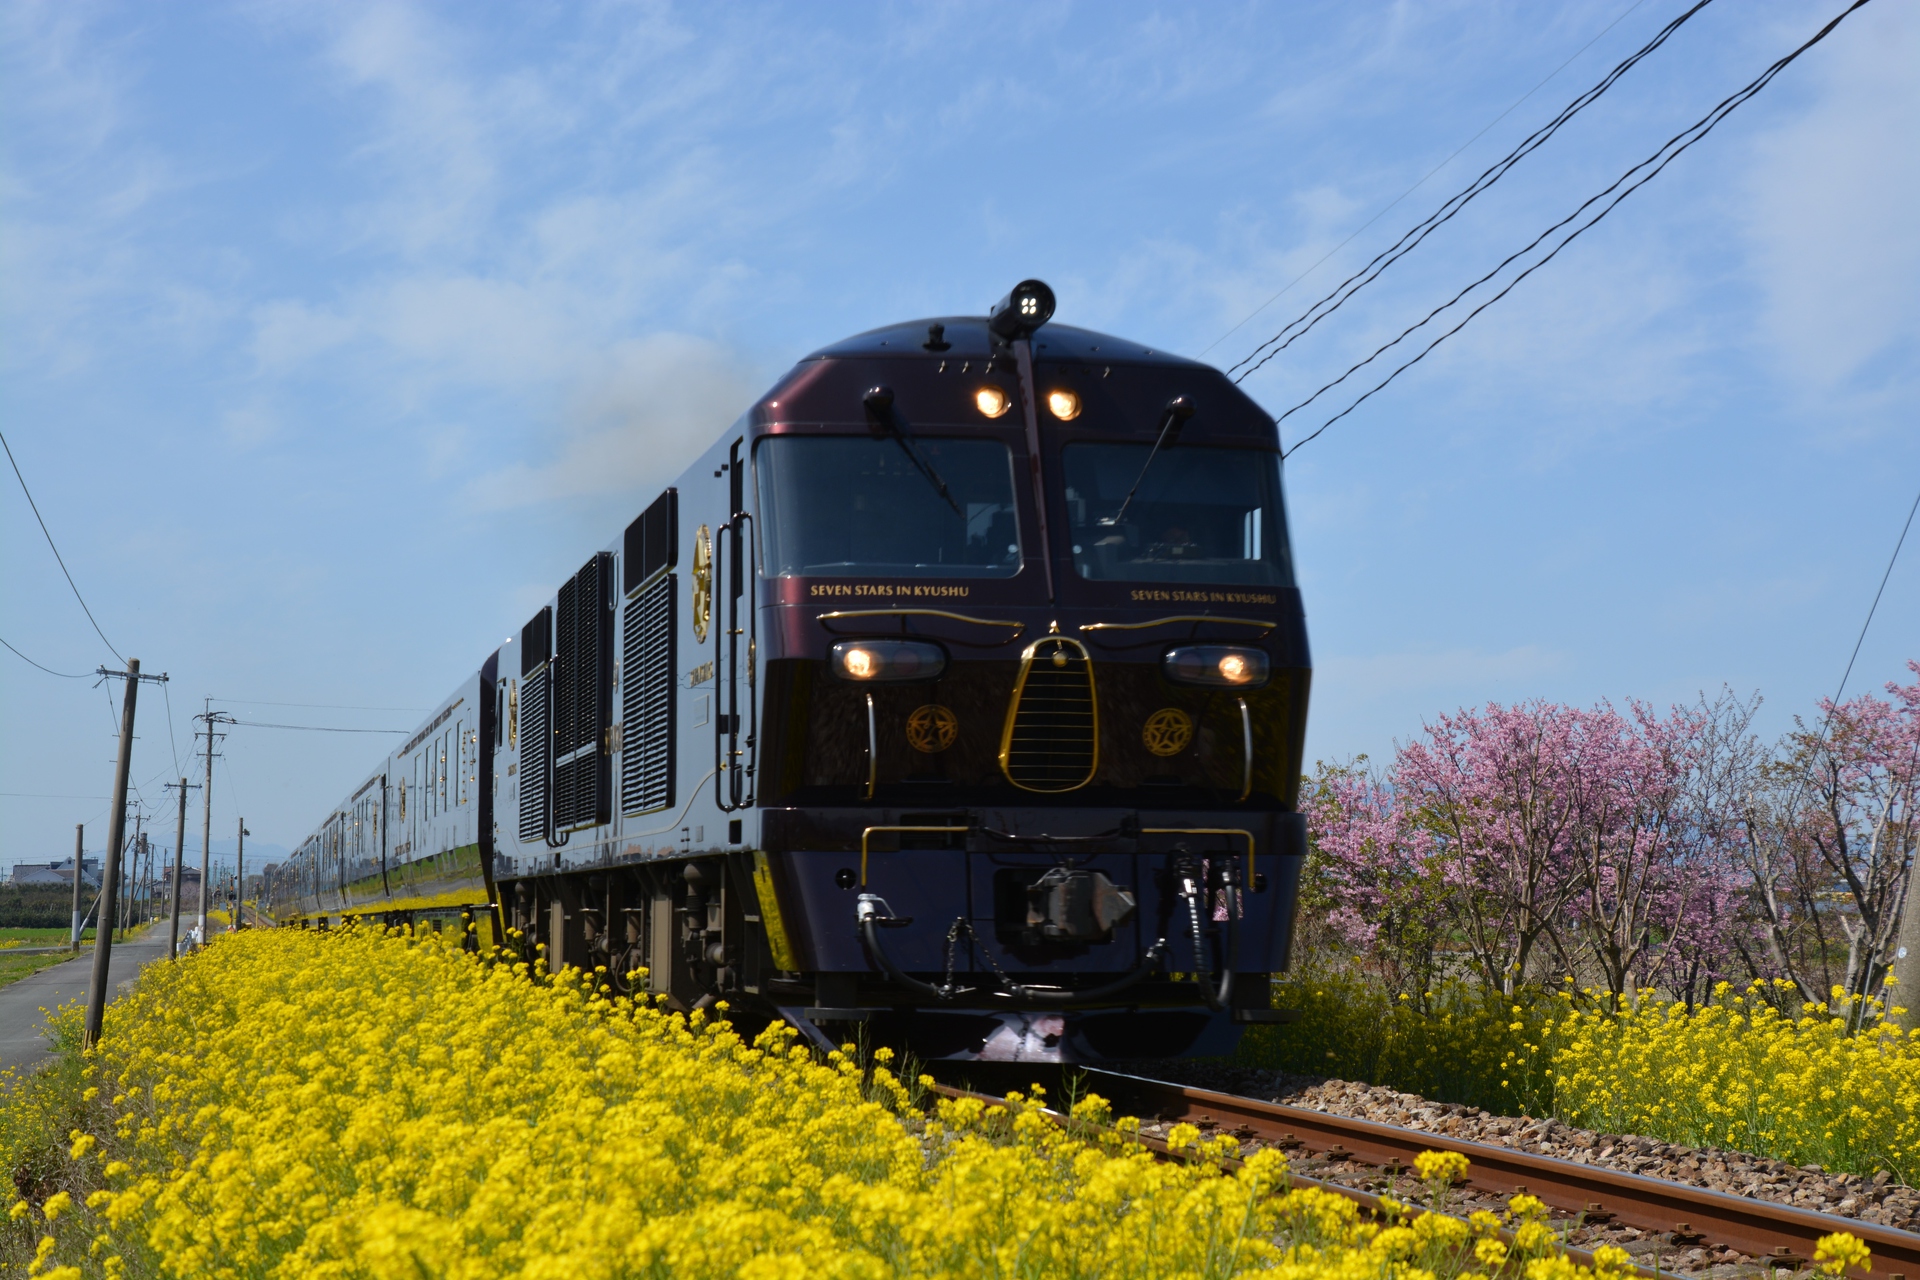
[[1228, 666], [876, 661]]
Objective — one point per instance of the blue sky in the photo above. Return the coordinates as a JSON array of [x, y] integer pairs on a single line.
[[332, 336]]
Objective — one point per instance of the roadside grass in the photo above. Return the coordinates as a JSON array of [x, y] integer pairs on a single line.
[[13, 968], [39, 937]]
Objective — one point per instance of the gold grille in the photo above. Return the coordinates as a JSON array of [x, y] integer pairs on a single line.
[[1052, 738]]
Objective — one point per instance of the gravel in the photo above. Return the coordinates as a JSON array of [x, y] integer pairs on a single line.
[[1877, 1198]]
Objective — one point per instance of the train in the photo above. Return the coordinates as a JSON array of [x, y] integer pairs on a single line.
[[954, 697]]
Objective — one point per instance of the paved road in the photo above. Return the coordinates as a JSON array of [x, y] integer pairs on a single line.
[[22, 1042]]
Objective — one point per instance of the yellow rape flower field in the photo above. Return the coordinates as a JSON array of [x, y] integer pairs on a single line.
[[1837, 1085], [1738, 1073], [355, 1103]]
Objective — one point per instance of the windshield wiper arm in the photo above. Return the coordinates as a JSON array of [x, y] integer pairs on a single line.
[[879, 402], [1172, 418]]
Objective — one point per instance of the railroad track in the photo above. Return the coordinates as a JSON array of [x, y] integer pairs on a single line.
[[1675, 1218]]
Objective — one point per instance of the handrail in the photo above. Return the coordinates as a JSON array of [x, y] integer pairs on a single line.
[[1246, 742], [1208, 831], [926, 613], [1179, 617], [873, 750], [868, 833]]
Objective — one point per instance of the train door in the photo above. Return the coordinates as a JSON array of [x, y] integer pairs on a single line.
[[737, 724]]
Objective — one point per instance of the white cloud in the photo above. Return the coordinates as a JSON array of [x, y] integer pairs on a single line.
[[1834, 193], [650, 405], [289, 334]]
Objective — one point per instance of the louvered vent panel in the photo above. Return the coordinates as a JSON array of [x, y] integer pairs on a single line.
[[535, 742], [646, 706], [1051, 736], [582, 775]]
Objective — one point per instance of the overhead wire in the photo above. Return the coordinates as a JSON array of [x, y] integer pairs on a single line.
[[1305, 322], [1668, 151], [56, 550], [310, 728], [1875, 606], [49, 670], [1394, 203], [321, 706], [173, 743]]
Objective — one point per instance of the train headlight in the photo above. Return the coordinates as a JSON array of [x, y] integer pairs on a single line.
[[886, 661], [991, 401], [1221, 665], [1064, 405], [1025, 308]]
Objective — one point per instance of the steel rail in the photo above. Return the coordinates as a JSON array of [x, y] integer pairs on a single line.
[[1775, 1235], [1370, 1204]]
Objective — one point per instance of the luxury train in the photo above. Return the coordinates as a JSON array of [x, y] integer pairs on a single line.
[[959, 689]]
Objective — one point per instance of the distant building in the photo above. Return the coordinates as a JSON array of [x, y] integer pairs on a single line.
[[57, 872]]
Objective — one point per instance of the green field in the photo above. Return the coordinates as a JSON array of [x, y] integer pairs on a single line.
[[13, 968], [39, 937]]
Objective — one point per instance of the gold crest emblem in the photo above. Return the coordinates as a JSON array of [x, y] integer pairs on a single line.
[[1167, 731], [931, 729], [702, 583]]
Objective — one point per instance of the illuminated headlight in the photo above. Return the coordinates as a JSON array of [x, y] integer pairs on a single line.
[[882, 661], [1223, 665], [991, 401], [1064, 405]]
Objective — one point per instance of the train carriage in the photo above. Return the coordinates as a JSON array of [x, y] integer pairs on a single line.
[[959, 689]]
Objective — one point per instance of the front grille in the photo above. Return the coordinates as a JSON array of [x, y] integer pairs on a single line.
[[1051, 742]]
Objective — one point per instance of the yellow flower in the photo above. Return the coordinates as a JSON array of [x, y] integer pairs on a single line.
[[1440, 1166], [1840, 1251]]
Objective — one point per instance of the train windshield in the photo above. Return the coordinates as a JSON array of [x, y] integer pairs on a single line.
[[857, 506], [1199, 515]]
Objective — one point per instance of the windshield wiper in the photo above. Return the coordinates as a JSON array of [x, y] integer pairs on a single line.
[[1172, 418], [879, 402]]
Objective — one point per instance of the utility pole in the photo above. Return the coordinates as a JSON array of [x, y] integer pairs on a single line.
[[179, 856], [79, 859], [240, 875], [212, 718], [116, 832], [130, 873]]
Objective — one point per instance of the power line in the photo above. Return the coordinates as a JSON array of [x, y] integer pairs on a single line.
[[310, 728], [173, 744], [49, 670], [56, 551], [47, 795], [1664, 155], [324, 706], [1874, 608], [1411, 240], [1395, 202]]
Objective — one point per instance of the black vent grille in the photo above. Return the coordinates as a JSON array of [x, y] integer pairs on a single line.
[[651, 542], [646, 702], [583, 698], [1053, 732], [536, 741]]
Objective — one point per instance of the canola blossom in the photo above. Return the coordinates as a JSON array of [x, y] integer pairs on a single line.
[[1837, 1086], [1737, 1073], [290, 1103]]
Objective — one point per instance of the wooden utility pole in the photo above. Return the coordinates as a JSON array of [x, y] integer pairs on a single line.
[[179, 856], [239, 874], [79, 860], [110, 873]]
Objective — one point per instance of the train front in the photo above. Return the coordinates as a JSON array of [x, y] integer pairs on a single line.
[[1034, 690]]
